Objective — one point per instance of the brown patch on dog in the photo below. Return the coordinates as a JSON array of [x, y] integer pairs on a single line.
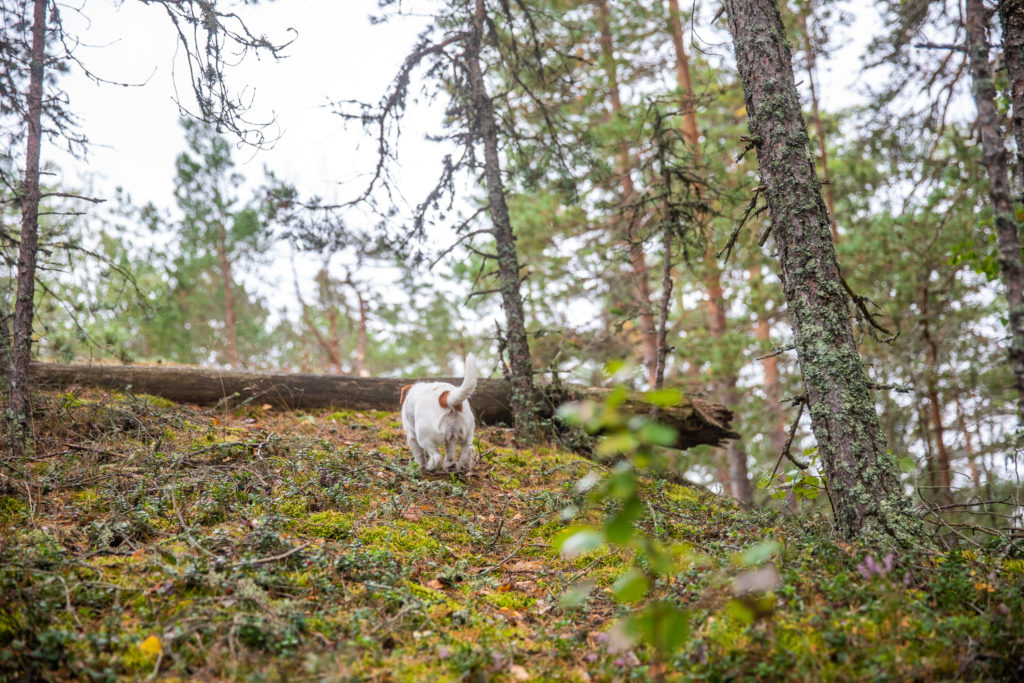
[[405, 390], [442, 400]]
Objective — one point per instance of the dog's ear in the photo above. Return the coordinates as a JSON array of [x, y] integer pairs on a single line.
[[405, 390]]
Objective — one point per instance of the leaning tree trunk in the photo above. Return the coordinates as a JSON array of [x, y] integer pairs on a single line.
[[994, 159], [863, 479], [19, 422], [521, 366]]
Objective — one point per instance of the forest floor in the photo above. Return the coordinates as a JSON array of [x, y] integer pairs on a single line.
[[159, 540]]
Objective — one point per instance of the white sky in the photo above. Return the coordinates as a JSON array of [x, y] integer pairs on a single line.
[[134, 131]]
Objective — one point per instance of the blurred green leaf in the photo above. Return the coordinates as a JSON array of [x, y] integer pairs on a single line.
[[663, 625], [631, 586], [663, 398], [576, 594], [658, 434], [580, 541], [619, 527], [760, 553]]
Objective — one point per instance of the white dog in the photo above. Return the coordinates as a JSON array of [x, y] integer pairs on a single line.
[[436, 414]]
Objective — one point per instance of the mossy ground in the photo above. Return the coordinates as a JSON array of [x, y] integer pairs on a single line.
[[149, 538]]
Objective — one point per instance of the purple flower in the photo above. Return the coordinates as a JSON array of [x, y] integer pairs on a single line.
[[443, 653], [869, 567]]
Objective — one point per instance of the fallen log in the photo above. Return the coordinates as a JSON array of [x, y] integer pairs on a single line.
[[697, 421]]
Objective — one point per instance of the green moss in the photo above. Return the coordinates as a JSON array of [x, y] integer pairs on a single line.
[[157, 401], [329, 524], [12, 510], [293, 507], [401, 537], [509, 599]]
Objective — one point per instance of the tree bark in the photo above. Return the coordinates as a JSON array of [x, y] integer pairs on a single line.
[[637, 260], [228, 283], [738, 482], [1011, 16], [942, 480], [697, 421], [994, 160], [359, 364], [19, 408], [863, 478], [522, 398]]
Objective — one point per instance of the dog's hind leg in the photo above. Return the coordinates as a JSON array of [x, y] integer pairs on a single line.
[[435, 458], [468, 457], [451, 450], [417, 452]]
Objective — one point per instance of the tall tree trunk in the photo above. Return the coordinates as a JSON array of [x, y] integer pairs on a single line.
[[968, 447], [942, 480], [631, 214], [521, 395], [1011, 16], [863, 478], [735, 455], [228, 283], [819, 127], [777, 434], [19, 408], [994, 159], [359, 365]]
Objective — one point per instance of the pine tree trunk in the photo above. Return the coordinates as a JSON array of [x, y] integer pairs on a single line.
[[522, 393], [359, 367], [1011, 16], [637, 259], [863, 478], [994, 160], [942, 468], [19, 409], [228, 283], [735, 454]]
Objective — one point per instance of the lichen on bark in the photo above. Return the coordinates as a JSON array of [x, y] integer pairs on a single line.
[[862, 476]]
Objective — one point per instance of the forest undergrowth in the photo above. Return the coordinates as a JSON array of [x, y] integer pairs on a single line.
[[149, 539]]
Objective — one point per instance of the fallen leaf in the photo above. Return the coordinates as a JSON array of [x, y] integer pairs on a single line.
[[435, 584], [151, 646], [266, 406]]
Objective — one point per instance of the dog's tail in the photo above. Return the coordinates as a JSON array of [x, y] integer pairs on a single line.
[[465, 390]]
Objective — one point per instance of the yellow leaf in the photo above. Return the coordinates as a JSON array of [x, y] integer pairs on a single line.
[[151, 646]]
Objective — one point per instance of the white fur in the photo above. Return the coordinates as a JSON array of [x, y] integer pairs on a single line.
[[429, 426]]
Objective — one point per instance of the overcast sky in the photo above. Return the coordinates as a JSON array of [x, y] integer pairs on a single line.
[[134, 131]]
